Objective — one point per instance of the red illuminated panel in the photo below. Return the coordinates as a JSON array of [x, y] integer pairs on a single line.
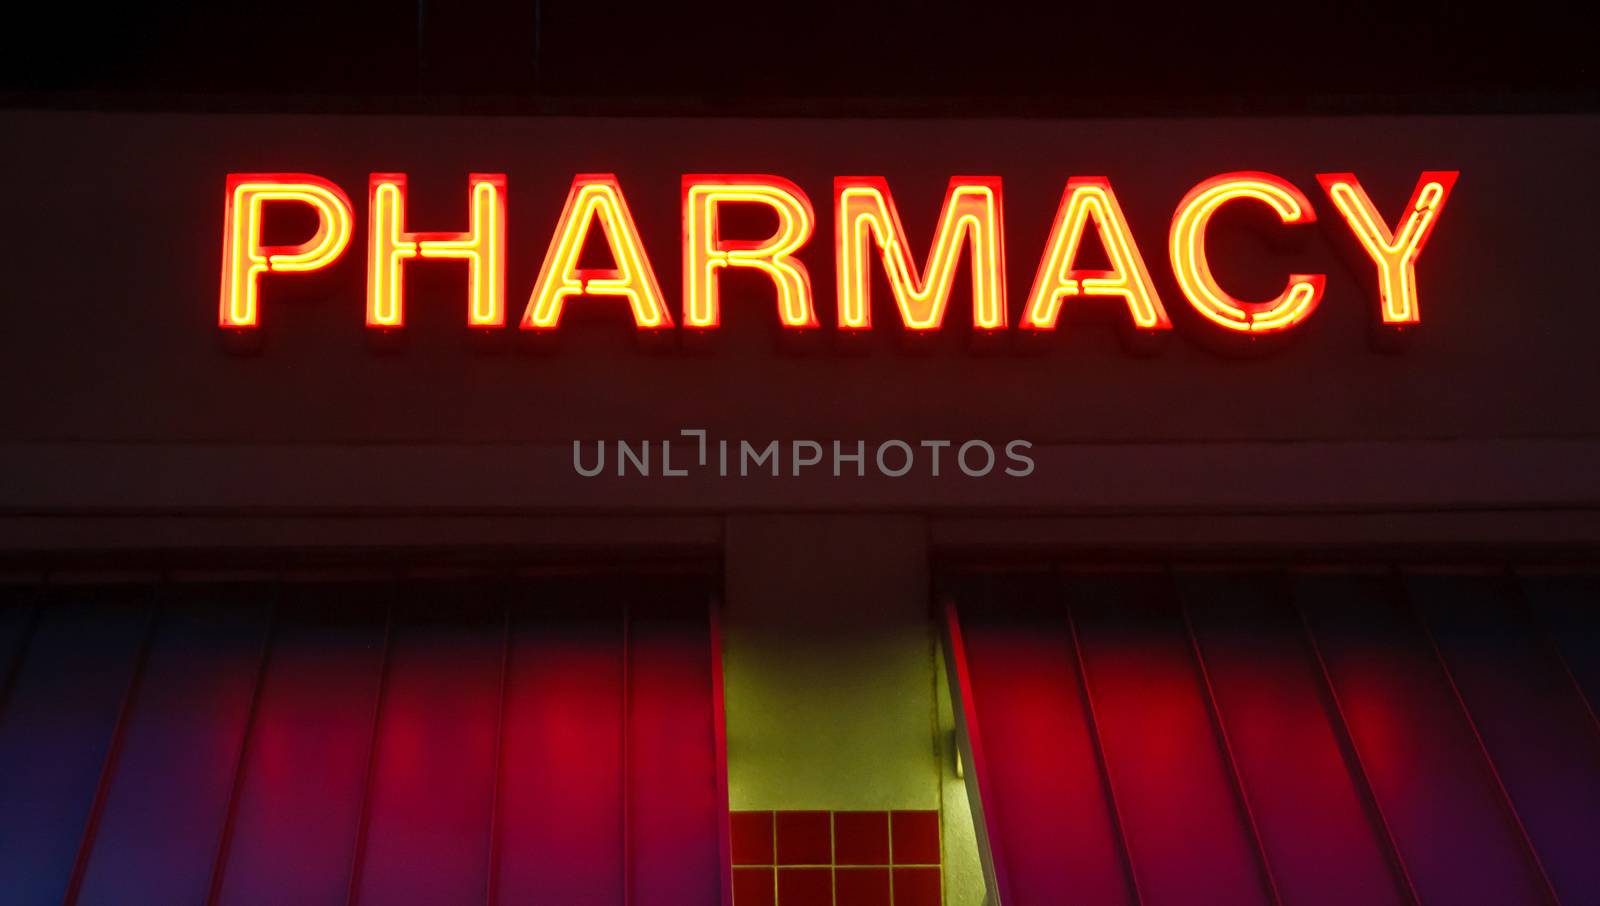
[[674, 799], [705, 252], [1189, 839], [179, 735], [561, 837], [245, 259], [596, 198], [1325, 846], [298, 746], [482, 247], [1395, 252], [865, 213], [1189, 263], [431, 786], [1564, 604], [1050, 824], [1534, 723], [294, 830], [63, 700], [1452, 824], [1086, 200]]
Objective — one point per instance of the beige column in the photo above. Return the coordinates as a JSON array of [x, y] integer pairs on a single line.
[[833, 686]]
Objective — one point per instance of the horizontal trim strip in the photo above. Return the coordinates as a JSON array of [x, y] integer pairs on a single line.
[[1112, 478]]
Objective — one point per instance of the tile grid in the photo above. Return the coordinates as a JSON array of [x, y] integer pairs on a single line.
[[777, 857]]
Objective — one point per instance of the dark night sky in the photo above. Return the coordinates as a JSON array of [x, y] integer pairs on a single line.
[[1104, 57]]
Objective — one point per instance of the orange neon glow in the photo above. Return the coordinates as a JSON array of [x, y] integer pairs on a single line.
[[596, 197], [482, 247], [865, 210], [705, 251], [1395, 253], [1188, 246], [245, 259], [1090, 199]]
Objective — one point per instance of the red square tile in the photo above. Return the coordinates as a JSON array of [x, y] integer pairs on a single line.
[[805, 887], [916, 837], [751, 837], [916, 887], [861, 887], [804, 838], [753, 887], [861, 838]]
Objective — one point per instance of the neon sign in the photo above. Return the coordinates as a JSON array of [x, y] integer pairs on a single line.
[[705, 252], [596, 199], [1192, 265], [1085, 200], [483, 247], [867, 229], [245, 258], [865, 210]]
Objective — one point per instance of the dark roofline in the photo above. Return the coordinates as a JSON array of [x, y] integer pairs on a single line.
[[962, 107]]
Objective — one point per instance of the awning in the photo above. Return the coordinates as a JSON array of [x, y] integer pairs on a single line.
[[1310, 738], [433, 742]]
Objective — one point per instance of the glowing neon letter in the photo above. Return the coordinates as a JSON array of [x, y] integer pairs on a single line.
[[705, 251], [865, 210], [1188, 245], [245, 259], [1395, 253], [596, 197], [483, 248], [1086, 199]]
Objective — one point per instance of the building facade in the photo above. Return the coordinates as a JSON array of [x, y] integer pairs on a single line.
[[773, 512]]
